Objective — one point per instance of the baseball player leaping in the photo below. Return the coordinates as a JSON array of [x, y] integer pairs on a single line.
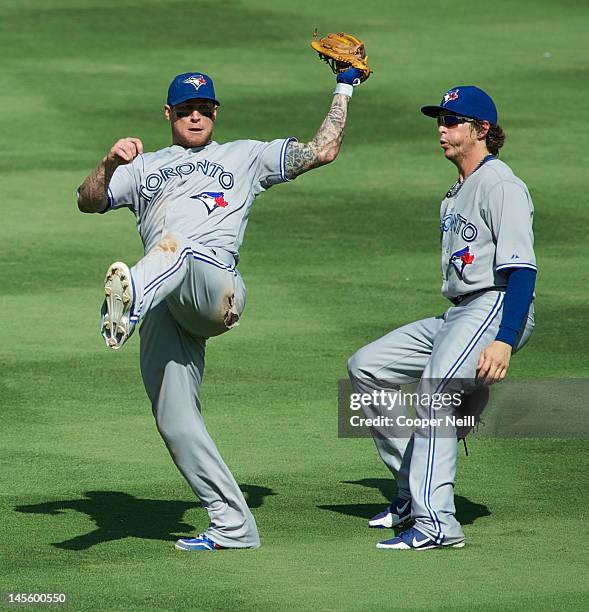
[[192, 201], [488, 273]]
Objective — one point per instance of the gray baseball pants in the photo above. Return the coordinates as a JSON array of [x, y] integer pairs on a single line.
[[184, 294], [433, 352]]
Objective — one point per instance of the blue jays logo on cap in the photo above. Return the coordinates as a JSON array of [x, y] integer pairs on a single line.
[[196, 81], [465, 101], [190, 85], [451, 95]]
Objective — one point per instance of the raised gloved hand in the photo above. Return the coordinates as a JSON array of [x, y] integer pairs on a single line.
[[343, 51]]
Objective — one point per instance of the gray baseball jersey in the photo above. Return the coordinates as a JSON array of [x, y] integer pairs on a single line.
[[486, 228], [204, 194]]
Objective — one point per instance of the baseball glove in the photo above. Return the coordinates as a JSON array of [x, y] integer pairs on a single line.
[[473, 404], [342, 51]]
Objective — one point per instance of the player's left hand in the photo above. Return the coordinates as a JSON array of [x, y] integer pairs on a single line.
[[494, 363], [342, 52]]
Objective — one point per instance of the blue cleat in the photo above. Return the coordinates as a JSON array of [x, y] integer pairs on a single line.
[[396, 514], [201, 542], [413, 539]]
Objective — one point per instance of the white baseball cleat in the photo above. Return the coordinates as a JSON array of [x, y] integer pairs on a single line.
[[119, 296]]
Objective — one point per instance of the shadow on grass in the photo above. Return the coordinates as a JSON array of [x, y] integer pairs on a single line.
[[119, 515], [466, 511]]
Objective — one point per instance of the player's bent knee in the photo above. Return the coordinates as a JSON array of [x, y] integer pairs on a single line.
[[352, 366], [358, 365]]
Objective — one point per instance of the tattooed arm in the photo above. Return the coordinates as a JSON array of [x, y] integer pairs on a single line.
[[323, 149], [93, 192]]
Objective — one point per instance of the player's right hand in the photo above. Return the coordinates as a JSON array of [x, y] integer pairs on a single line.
[[124, 151]]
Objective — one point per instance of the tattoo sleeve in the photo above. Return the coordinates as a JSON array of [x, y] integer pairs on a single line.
[[323, 149], [93, 191]]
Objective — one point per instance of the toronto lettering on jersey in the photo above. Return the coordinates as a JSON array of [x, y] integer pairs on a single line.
[[458, 224], [153, 182]]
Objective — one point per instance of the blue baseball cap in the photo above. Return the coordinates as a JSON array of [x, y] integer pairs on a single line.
[[466, 101], [191, 85]]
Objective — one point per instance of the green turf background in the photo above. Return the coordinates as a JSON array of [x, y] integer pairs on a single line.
[[90, 502]]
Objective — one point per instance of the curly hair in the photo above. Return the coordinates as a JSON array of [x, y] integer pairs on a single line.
[[495, 137]]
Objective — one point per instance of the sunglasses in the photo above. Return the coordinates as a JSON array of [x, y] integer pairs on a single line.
[[205, 112], [452, 120]]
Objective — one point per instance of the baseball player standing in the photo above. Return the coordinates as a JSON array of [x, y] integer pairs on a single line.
[[488, 273], [192, 201]]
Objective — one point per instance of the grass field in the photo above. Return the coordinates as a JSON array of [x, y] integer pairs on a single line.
[[90, 503]]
